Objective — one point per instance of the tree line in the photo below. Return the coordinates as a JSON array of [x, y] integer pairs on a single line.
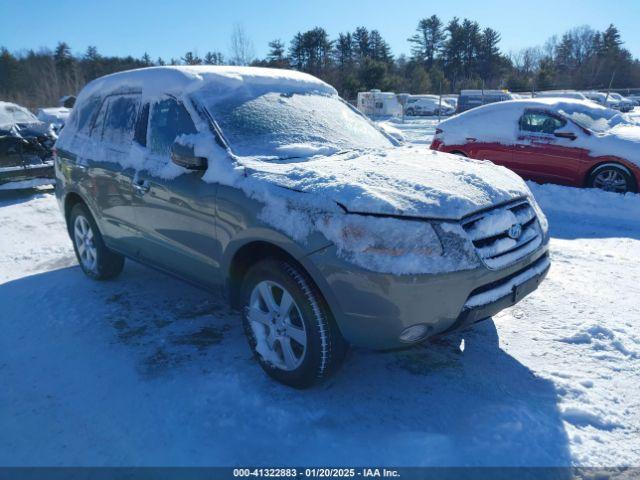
[[445, 57]]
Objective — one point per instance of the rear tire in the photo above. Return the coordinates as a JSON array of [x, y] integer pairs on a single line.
[[95, 259], [289, 327], [612, 178]]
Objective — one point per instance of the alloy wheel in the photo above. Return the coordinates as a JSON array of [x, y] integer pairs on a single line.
[[611, 180], [83, 237], [276, 322]]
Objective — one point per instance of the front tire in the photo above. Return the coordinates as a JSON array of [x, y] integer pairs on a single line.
[[612, 178], [289, 327], [95, 259]]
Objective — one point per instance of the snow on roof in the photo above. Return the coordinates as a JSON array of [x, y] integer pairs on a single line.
[[508, 111], [184, 79]]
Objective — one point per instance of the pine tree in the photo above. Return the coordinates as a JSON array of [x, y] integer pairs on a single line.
[[428, 40], [191, 58], [277, 54], [213, 58]]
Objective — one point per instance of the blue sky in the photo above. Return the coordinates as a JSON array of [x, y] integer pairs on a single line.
[[169, 28]]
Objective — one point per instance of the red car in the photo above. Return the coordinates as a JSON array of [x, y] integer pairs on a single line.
[[550, 140]]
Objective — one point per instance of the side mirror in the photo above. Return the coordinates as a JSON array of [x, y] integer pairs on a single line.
[[569, 135], [184, 156]]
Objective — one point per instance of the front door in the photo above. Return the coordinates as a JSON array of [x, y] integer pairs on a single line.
[[175, 208], [543, 156]]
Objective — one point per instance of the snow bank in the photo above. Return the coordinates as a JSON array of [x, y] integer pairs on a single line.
[[593, 203]]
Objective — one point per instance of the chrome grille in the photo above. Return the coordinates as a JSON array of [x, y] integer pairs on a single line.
[[493, 234]]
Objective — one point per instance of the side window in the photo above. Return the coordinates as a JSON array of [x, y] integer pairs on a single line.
[[120, 120], [97, 126], [86, 112], [168, 120], [540, 122]]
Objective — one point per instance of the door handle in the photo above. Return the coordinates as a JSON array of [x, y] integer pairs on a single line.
[[141, 186]]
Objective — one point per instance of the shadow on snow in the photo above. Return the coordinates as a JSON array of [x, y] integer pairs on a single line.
[[160, 372]]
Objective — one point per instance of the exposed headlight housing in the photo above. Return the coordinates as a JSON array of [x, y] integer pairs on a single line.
[[542, 218]]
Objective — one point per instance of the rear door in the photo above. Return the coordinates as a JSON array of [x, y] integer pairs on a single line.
[[540, 154], [175, 208], [98, 163]]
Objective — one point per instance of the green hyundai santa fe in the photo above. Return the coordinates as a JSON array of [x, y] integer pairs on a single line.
[[320, 227]]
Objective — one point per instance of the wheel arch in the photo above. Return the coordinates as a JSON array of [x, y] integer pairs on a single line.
[[249, 253], [458, 152]]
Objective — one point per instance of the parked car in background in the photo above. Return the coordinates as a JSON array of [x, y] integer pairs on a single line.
[[598, 97], [320, 228], [469, 99], [55, 116], [623, 104], [635, 98], [560, 94], [25, 148], [611, 100], [428, 105], [564, 141], [452, 100]]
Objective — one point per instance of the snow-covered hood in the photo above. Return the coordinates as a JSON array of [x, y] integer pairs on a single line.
[[623, 141], [406, 181]]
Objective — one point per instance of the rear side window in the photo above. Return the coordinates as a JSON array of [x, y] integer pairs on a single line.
[[119, 122], [168, 120], [86, 112]]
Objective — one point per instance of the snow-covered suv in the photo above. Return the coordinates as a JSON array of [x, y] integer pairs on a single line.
[[321, 228]]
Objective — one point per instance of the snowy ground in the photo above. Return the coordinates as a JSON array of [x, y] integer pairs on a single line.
[[146, 370]]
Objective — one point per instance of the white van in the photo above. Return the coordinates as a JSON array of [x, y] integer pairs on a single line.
[[377, 103]]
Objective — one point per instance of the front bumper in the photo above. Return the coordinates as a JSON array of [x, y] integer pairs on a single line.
[[373, 309]]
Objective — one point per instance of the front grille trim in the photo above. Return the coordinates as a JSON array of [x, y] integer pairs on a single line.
[[491, 241]]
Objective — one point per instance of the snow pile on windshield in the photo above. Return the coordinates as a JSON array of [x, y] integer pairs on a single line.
[[276, 121]]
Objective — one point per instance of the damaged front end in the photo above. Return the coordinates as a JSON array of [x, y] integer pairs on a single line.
[[26, 156]]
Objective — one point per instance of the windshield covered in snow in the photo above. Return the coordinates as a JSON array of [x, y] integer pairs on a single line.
[[282, 124], [598, 120], [10, 114]]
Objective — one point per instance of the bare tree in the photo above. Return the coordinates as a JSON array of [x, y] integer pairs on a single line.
[[241, 47]]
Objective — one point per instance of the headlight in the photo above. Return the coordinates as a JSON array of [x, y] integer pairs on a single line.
[[387, 245]]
